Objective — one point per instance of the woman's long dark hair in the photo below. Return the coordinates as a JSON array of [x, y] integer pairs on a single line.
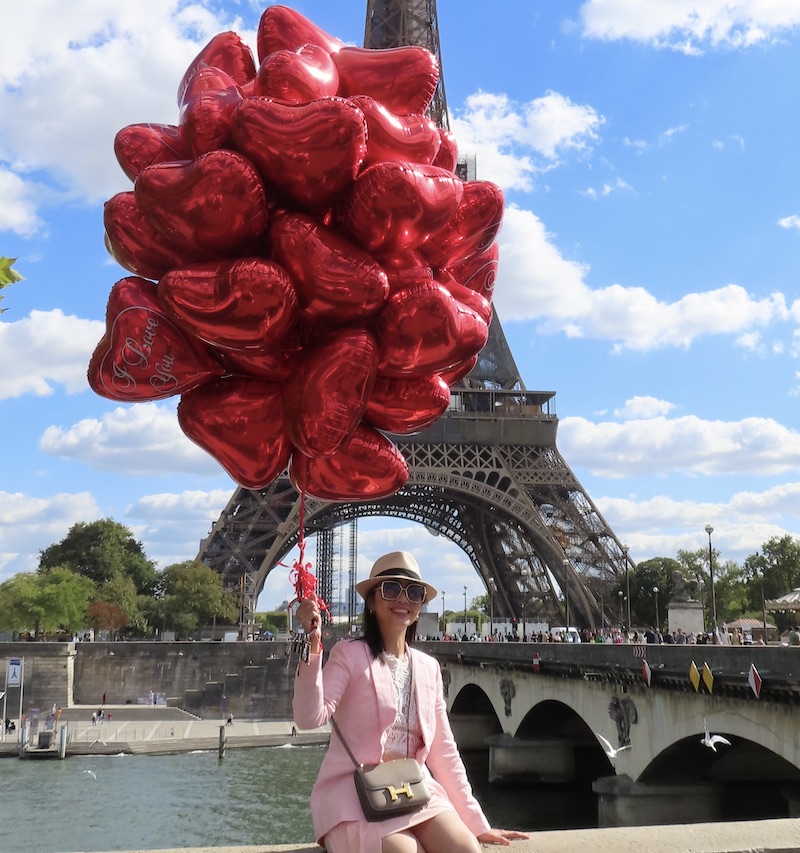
[[372, 633]]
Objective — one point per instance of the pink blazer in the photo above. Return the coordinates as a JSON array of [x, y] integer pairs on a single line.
[[359, 690]]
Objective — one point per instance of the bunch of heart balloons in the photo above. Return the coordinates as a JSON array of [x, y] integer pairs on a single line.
[[309, 272]]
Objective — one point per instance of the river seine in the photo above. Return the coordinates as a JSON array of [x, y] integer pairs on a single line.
[[252, 796]]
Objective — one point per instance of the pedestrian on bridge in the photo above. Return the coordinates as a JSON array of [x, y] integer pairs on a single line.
[[366, 687]]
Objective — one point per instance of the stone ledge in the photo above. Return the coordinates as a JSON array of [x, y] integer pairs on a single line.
[[766, 836]]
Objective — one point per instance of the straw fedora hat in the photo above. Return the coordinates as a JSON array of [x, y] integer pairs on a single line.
[[399, 566]]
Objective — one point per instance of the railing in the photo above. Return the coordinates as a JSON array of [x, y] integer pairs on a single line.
[[670, 666], [491, 404]]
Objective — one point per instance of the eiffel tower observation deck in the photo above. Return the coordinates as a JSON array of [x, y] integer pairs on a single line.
[[487, 475]]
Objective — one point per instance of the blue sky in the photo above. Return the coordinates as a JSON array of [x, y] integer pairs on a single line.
[[649, 260]]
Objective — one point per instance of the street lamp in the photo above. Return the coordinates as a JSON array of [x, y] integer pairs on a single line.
[[621, 595], [710, 530], [763, 605], [655, 593], [525, 573], [465, 611], [627, 585], [444, 623], [492, 591], [565, 563]]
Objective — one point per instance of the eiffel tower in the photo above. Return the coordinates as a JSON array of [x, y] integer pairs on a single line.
[[487, 475]]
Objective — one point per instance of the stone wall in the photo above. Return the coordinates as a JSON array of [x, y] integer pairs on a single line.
[[255, 679]]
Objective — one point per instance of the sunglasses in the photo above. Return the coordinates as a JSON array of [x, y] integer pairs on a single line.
[[416, 593]]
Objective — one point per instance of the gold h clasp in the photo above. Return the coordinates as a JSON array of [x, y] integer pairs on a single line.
[[405, 788]]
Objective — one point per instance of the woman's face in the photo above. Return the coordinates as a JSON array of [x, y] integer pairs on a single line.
[[394, 612]]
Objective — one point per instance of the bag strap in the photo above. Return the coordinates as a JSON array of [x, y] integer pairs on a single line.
[[408, 717]]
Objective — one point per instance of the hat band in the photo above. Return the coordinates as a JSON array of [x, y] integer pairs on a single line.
[[395, 572]]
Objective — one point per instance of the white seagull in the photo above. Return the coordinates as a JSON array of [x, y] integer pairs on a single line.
[[608, 749], [711, 741]]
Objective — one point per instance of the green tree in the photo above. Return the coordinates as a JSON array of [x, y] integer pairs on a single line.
[[648, 575], [45, 602], [120, 592], [481, 603], [101, 550], [777, 567], [189, 595]]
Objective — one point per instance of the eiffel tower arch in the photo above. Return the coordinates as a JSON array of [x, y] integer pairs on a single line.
[[487, 475]]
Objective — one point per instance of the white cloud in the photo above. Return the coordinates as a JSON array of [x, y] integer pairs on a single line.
[[171, 525], [607, 189], [537, 282], [516, 142], [18, 211], [791, 222], [74, 74], [688, 445], [142, 440], [690, 26], [643, 407], [30, 524], [46, 349]]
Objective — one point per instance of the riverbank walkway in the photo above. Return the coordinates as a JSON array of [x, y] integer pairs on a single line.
[[161, 730]]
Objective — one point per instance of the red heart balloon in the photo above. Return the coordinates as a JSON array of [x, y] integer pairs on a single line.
[[369, 466], [405, 269], [458, 371], [447, 156], [310, 152], [281, 28], [326, 398], [144, 355], [277, 366], [403, 79], [473, 228], [481, 306], [479, 271], [227, 52], [207, 110], [404, 405], [337, 282], [232, 304], [395, 206], [392, 137], [423, 329], [297, 76], [135, 244], [213, 207], [140, 145], [238, 421]]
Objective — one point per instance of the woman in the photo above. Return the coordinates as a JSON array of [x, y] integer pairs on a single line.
[[366, 685]]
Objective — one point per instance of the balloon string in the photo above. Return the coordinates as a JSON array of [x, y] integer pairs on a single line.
[[300, 576]]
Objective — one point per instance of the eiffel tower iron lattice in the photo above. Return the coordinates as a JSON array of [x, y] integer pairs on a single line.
[[487, 476]]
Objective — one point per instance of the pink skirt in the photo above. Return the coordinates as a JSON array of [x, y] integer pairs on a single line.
[[361, 836]]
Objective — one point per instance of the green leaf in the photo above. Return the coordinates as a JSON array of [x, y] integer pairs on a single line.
[[8, 275]]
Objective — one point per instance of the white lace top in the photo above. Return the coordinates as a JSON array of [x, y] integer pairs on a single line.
[[404, 738]]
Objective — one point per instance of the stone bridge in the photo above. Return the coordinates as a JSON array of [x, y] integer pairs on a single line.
[[540, 707]]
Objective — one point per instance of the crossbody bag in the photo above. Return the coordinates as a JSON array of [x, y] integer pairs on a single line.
[[390, 788]]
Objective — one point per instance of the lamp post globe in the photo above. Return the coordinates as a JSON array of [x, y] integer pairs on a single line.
[[465, 611], [709, 531], [655, 593], [627, 588]]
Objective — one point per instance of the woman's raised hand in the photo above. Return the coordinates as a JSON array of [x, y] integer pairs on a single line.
[[308, 616]]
